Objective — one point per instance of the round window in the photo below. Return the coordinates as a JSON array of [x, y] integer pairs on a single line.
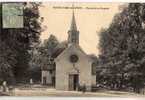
[[74, 58]]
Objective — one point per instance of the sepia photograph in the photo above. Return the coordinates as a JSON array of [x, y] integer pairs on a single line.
[[72, 49]]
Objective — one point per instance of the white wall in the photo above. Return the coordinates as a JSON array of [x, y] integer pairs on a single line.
[[48, 77], [64, 67]]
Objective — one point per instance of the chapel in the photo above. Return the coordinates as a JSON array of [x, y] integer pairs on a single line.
[[73, 67]]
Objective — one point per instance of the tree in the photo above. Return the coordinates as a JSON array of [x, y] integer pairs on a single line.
[[49, 46], [7, 58], [42, 53], [20, 40], [122, 49], [7, 62], [40, 56]]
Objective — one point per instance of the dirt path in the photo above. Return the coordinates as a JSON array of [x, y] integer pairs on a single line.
[[56, 93]]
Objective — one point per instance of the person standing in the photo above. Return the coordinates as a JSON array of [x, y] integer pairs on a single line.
[[84, 88], [4, 86]]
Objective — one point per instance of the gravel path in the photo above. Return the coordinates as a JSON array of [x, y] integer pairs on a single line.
[[39, 90], [57, 93]]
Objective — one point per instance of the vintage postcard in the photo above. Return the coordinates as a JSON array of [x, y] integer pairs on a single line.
[[72, 49]]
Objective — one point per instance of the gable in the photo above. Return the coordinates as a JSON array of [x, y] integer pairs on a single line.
[[73, 49]]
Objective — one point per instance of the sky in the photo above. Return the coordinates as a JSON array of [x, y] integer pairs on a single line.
[[90, 19]]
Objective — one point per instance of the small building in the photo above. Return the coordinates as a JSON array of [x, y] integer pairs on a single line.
[[73, 67], [48, 73]]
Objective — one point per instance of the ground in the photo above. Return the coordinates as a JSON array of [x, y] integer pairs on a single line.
[[38, 90]]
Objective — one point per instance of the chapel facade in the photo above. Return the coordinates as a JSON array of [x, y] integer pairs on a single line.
[[73, 67]]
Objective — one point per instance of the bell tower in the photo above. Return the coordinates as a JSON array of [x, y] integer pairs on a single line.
[[73, 33]]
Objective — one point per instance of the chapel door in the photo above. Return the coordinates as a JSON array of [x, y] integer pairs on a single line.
[[73, 81], [44, 80]]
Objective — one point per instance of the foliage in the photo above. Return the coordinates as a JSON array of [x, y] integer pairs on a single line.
[[42, 53], [7, 62], [123, 51], [20, 40]]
